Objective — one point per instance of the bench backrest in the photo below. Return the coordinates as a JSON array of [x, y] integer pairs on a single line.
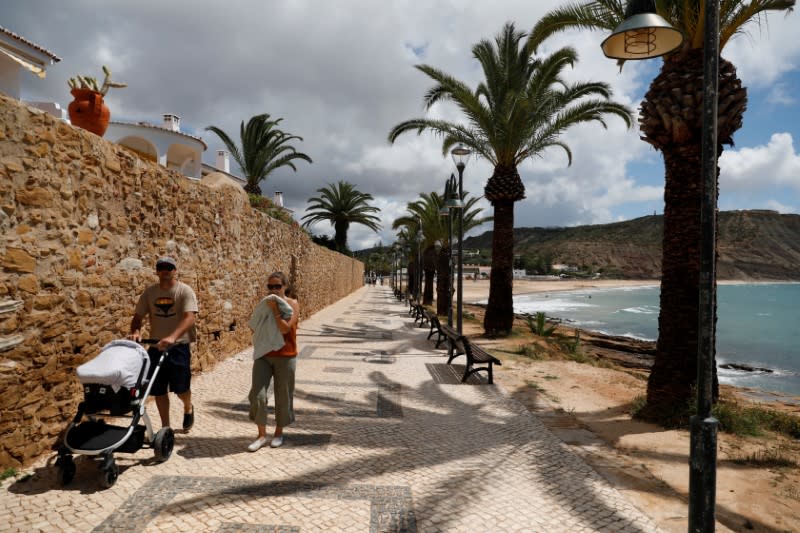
[[454, 337]]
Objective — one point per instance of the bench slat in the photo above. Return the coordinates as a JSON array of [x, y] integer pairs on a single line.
[[460, 345]]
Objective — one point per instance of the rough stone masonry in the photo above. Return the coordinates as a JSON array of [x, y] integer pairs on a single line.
[[83, 221]]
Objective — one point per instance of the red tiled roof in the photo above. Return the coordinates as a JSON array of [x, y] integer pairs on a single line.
[[30, 43]]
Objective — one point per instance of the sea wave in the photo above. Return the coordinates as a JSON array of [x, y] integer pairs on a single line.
[[627, 334], [640, 310], [555, 305]]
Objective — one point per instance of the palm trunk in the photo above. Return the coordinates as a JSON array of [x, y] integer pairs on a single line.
[[674, 373], [412, 278], [443, 281], [671, 120], [340, 235], [499, 315], [429, 268]]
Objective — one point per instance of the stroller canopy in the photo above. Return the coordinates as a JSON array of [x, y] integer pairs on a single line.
[[118, 364]]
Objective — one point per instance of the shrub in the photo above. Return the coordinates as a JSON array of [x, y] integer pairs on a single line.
[[265, 205], [539, 325]]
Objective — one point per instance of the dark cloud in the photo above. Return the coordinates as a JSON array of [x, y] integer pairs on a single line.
[[341, 75]]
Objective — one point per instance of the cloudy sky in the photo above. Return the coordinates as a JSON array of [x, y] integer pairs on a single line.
[[341, 75]]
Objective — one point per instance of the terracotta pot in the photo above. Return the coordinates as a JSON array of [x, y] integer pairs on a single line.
[[88, 111]]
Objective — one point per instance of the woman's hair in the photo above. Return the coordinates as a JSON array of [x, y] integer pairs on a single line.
[[285, 282]]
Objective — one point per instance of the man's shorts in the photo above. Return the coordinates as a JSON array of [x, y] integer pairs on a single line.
[[175, 373]]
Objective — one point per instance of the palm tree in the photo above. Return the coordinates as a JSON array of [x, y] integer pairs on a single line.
[[264, 149], [519, 110], [435, 246], [671, 121], [341, 204]]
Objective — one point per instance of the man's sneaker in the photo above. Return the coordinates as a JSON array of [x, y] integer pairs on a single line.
[[188, 419]]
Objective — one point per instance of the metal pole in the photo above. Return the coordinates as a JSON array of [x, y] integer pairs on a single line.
[[450, 268], [703, 451], [402, 260], [419, 271], [460, 279]]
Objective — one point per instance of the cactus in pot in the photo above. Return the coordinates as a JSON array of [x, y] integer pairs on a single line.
[[90, 83], [88, 110]]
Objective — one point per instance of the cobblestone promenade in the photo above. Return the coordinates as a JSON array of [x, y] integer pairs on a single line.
[[386, 439]]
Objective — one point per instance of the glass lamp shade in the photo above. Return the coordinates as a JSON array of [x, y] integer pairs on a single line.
[[444, 211], [642, 36], [454, 202], [460, 155]]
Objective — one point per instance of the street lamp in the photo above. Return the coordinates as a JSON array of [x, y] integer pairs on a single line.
[[394, 270], [643, 35], [452, 201], [460, 155], [660, 40], [403, 260], [419, 237]]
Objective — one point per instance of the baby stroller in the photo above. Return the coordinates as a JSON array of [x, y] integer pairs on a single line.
[[116, 383]]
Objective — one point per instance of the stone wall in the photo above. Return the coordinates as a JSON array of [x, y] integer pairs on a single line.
[[83, 221]]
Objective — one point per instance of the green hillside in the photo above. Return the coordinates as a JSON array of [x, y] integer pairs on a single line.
[[759, 245]]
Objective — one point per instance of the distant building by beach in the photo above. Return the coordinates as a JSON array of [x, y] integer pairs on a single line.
[[476, 271], [559, 267]]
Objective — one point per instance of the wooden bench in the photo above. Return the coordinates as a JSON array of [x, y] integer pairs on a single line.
[[436, 327], [415, 309], [421, 314], [458, 344]]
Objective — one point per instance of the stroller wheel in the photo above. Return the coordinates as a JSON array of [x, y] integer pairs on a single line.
[[66, 469], [109, 473], [163, 444]]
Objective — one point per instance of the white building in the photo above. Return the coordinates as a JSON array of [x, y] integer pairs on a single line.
[[17, 55], [166, 144], [222, 165]]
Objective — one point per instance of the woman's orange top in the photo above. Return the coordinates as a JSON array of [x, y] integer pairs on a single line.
[[290, 347]]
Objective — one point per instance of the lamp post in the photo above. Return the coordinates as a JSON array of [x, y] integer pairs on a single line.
[[460, 155], [399, 273], [643, 35], [703, 455], [404, 260], [453, 202], [418, 278], [445, 212], [394, 268]]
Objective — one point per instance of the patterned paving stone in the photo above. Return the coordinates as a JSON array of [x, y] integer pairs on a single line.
[[387, 438], [391, 508]]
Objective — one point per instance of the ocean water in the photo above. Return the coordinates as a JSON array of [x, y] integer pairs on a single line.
[[756, 325]]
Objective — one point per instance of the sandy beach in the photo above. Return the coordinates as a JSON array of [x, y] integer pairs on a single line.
[[478, 291], [588, 406]]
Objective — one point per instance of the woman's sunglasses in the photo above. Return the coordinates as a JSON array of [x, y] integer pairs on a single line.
[[274, 287]]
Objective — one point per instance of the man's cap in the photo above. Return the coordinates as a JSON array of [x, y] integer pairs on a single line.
[[166, 260]]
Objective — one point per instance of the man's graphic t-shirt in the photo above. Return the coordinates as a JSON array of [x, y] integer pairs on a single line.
[[166, 309]]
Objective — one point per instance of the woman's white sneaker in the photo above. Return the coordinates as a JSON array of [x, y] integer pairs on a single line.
[[257, 444], [276, 442]]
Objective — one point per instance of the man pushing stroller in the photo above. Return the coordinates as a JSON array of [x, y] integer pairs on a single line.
[[171, 306]]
